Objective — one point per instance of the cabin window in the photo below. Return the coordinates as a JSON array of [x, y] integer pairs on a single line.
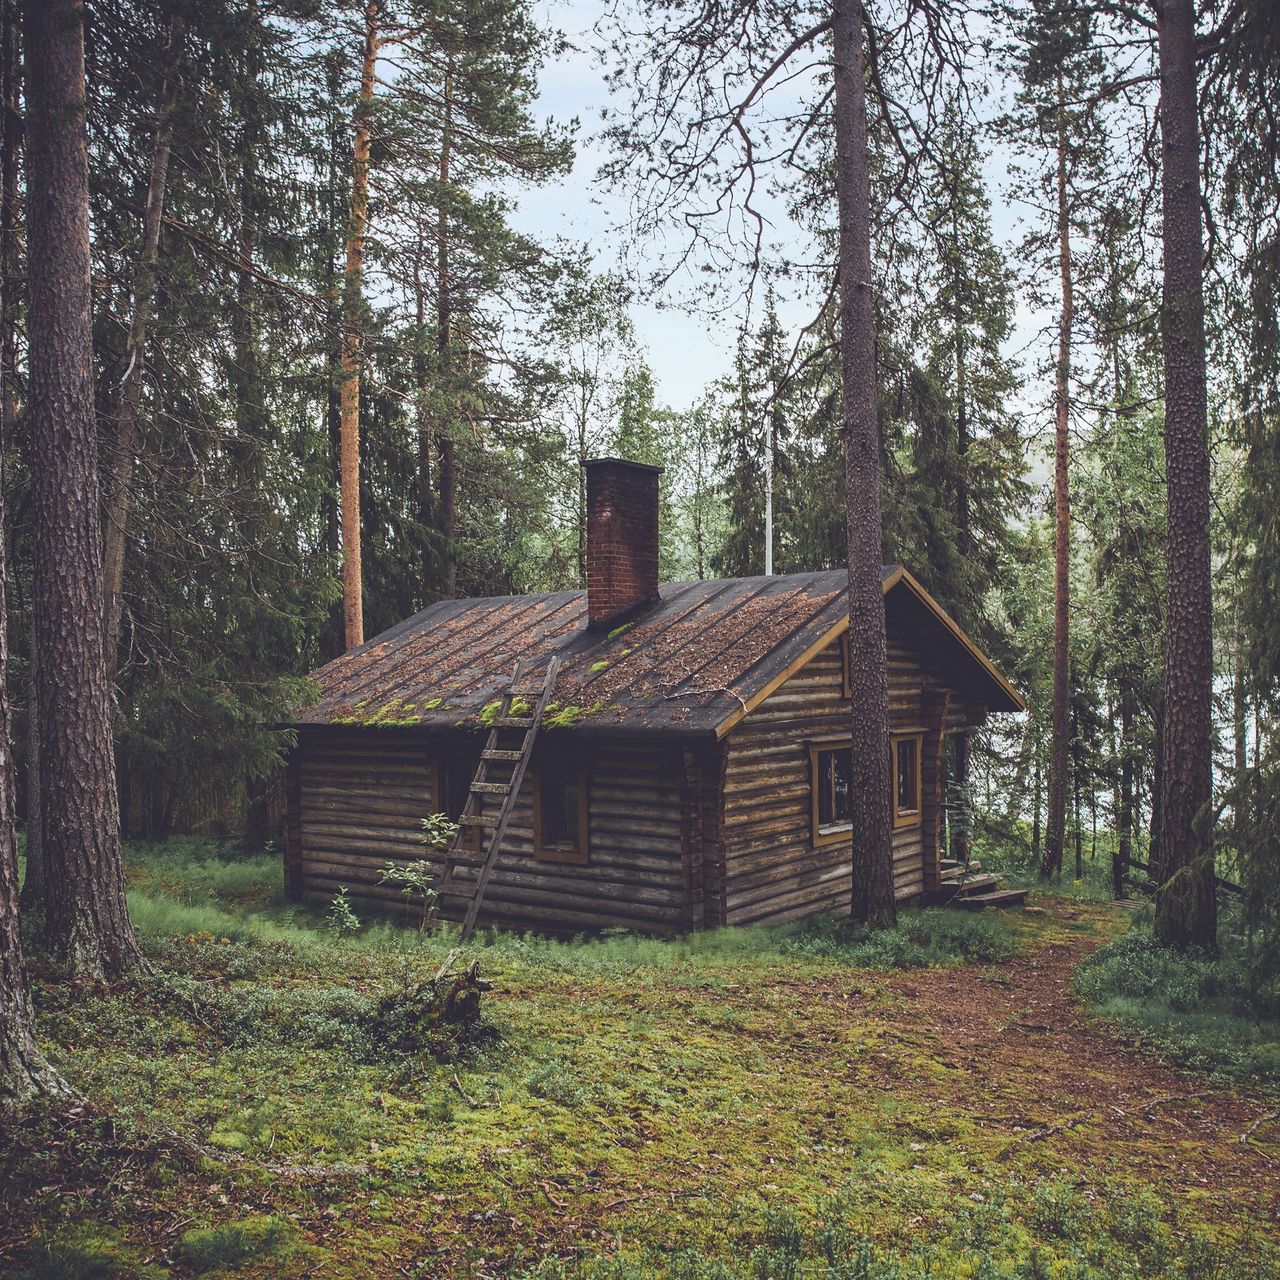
[[452, 784], [560, 812], [906, 781], [830, 767]]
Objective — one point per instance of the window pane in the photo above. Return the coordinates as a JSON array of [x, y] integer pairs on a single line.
[[834, 768], [907, 776], [843, 778], [559, 804]]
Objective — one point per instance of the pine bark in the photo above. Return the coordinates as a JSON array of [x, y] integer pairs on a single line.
[[1037, 798], [448, 469], [10, 132], [86, 920], [23, 1073], [1125, 820], [1186, 905], [1059, 728], [873, 888], [960, 841], [128, 425], [353, 343]]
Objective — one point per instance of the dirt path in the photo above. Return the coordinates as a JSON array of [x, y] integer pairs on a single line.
[[1071, 1094]]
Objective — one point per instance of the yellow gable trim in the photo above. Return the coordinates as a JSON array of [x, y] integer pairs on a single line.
[[838, 628]]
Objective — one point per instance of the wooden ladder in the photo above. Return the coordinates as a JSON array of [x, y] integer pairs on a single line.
[[496, 756]]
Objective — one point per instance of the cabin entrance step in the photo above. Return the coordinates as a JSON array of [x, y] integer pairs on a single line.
[[993, 898], [973, 891], [499, 791]]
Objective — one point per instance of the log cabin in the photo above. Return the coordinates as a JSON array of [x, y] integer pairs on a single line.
[[692, 768]]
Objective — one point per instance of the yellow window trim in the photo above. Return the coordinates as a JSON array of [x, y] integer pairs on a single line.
[[820, 837]]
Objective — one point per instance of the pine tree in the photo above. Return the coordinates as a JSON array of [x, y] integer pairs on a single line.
[[1186, 906], [86, 919], [352, 339], [873, 885], [1057, 62], [23, 1072]]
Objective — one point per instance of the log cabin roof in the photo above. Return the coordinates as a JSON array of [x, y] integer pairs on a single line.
[[694, 661]]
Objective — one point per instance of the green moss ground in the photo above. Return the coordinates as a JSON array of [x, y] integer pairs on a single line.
[[764, 1104]]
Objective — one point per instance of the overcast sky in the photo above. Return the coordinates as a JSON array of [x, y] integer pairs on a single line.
[[686, 351]]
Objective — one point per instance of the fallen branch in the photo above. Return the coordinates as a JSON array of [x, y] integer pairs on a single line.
[[179, 1145], [546, 1191], [1039, 1135], [1258, 1123]]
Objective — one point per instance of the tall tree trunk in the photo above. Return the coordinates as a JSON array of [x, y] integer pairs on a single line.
[[1078, 832], [960, 847], [1059, 731], [1155, 856], [873, 889], [336, 214], [1242, 818], [422, 408], [353, 343], [120, 481], [23, 1072], [86, 919], [582, 499], [448, 470], [1125, 817], [10, 132], [1186, 906], [1038, 797]]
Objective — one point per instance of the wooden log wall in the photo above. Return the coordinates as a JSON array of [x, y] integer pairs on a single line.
[[362, 795], [770, 870]]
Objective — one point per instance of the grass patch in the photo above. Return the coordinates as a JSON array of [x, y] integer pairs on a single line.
[[937, 935], [84, 1251], [640, 1109], [232, 1244], [1060, 1234], [1198, 1009]]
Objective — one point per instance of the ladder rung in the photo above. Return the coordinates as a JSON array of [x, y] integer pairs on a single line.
[[513, 722], [500, 755], [467, 890], [490, 788], [479, 820]]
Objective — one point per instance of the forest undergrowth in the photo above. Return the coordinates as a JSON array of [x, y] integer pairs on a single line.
[[759, 1104]]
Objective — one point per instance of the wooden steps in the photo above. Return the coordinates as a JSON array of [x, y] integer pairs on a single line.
[[993, 898], [974, 892]]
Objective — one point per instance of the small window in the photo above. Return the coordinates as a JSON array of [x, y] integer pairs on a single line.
[[452, 784], [560, 812], [831, 767], [906, 782]]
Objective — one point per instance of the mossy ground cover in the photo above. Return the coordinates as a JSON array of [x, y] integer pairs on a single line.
[[764, 1104]]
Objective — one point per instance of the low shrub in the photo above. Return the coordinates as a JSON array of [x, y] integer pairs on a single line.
[[84, 1251], [233, 1243], [1065, 1244], [1198, 1008], [936, 935]]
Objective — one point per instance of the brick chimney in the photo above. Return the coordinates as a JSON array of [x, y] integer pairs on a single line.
[[622, 537]]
